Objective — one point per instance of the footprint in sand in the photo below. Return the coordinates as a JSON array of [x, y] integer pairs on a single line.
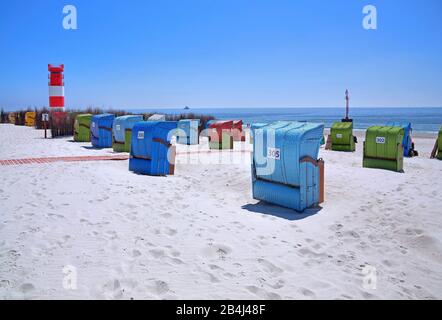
[[112, 234], [166, 215], [26, 287], [269, 267], [214, 267], [170, 231], [119, 288], [216, 251], [157, 253], [351, 234], [136, 253], [174, 261], [212, 278], [277, 285], [263, 293], [175, 253], [311, 254], [158, 287], [307, 293]]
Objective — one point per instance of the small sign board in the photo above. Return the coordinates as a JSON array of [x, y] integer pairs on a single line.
[[45, 120], [380, 140], [273, 153], [339, 135], [140, 135]]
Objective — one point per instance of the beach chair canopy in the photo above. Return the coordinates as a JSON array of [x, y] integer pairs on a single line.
[[208, 123], [157, 117], [101, 130], [123, 123], [254, 126], [219, 127], [220, 134], [150, 147]]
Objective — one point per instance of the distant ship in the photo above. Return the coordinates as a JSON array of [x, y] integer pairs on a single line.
[[186, 108]]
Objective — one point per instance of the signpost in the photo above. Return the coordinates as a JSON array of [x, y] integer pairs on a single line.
[[45, 119], [347, 108]]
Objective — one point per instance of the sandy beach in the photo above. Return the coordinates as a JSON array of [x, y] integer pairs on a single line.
[[200, 235]]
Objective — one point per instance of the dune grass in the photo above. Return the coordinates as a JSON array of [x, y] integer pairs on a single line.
[[63, 124]]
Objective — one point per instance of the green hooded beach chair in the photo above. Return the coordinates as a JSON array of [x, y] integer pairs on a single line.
[[122, 132], [342, 136], [383, 148], [82, 126]]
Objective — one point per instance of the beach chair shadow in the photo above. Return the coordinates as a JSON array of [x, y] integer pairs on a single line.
[[280, 212], [50, 138], [92, 148]]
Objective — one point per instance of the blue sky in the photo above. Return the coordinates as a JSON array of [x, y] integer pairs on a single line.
[[223, 53]]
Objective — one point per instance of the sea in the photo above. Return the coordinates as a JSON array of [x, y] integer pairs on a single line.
[[422, 119]]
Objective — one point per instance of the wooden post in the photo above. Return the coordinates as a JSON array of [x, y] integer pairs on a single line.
[[328, 143], [172, 157], [435, 149], [45, 118], [321, 180]]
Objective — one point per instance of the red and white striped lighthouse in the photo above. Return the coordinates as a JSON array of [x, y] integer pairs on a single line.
[[56, 86]]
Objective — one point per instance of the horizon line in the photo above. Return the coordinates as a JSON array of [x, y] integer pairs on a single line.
[[223, 107]]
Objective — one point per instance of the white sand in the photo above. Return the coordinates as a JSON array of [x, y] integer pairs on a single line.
[[200, 235]]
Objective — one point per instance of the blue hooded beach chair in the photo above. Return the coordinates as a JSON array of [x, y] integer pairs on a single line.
[[285, 169], [151, 151], [101, 130]]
